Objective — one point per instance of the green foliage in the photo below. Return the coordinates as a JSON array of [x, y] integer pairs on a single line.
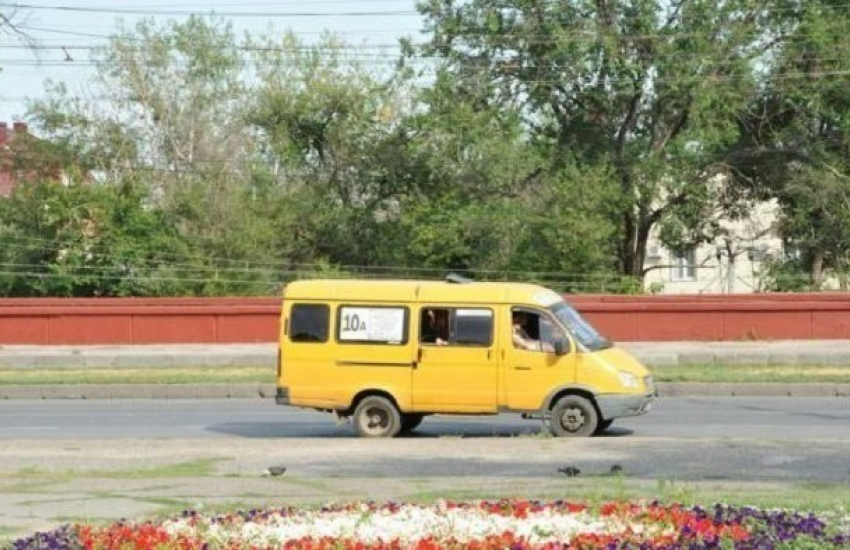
[[540, 141], [785, 276], [85, 240], [645, 92], [798, 138]]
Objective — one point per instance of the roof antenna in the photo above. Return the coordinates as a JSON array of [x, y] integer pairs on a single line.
[[457, 279]]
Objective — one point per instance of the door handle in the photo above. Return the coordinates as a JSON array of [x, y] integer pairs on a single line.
[[522, 368]]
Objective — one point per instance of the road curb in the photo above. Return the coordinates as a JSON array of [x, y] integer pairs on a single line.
[[267, 391], [137, 391]]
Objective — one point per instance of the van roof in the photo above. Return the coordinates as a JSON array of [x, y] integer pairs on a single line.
[[436, 292]]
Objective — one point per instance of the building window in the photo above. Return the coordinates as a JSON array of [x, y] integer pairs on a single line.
[[309, 323], [791, 251], [685, 265]]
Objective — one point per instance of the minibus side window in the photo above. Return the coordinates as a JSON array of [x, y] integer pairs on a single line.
[[456, 326], [434, 326], [372, 325], [309, 323], [535, 332], [473, 327]]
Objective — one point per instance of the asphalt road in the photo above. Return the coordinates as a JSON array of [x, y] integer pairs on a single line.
[[93, 459], [680, 418]]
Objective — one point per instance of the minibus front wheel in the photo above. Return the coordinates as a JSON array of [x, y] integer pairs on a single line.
[[377, 416], [573, 416]]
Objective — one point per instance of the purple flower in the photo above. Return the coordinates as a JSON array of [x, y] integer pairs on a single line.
[[63, 538]]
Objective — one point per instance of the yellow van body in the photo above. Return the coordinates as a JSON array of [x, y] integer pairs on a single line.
[[358, 348]]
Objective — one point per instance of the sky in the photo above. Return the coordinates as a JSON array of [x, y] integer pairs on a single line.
[[65, 30]]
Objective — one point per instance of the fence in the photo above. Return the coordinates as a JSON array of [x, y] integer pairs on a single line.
[[252, 320]]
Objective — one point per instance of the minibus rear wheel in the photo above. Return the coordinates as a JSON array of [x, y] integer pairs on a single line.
[[573, 416], [377, 416]]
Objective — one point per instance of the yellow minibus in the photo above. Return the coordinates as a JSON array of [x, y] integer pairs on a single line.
[[387, 353]]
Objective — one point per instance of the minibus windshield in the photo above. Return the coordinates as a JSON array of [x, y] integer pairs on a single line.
[[583, 331]]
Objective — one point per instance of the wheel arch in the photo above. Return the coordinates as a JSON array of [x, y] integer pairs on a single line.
[[563, 391], [369, 392]]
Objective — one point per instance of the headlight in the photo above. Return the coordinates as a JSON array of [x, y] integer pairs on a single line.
[[628, 379]]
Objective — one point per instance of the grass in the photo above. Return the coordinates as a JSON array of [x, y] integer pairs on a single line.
[[798, 374], [598, 490], [204, 467], [140, 375]]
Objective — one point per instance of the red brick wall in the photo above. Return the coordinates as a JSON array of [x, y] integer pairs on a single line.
[[251, 320]]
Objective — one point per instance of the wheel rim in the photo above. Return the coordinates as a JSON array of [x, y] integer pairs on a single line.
[[572, 419], [375, 421]]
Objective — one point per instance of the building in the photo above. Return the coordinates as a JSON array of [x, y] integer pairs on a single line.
[[26, 158], [8, 179], [733, 263]]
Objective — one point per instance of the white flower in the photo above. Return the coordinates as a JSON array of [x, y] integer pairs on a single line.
[[407, 524]]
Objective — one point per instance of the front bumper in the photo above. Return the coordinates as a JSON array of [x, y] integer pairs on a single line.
[[619, 406]]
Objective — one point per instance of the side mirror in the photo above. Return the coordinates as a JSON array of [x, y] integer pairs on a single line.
[[561, 347]]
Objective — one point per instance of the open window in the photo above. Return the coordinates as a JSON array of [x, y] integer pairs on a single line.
[[441, 326], [534, 331]]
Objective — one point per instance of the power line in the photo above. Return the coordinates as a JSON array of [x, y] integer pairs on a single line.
[[244, 48], [212, 13], [110, 36], [140, 11], [562, 36], [285, 266], [375, 60], [254, 3]]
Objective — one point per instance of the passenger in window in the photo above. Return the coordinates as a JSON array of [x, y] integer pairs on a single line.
[[435, 327], [521, 337]]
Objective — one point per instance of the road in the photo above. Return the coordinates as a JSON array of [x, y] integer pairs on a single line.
[[687, 438], [679, 418], [102, 459]]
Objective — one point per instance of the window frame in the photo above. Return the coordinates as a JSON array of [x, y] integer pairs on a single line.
[[568, 341], [684, 266], [291, 318], [452, 310], [405, 326]]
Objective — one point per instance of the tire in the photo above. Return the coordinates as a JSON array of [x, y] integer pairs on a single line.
[[376, 416], [410, 422], [603, 425], [574, 416]]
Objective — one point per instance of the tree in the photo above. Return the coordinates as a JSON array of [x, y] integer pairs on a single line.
[[797, 137], [87, 240], [8, 24], [332, 130], [168, 110], [648, 90]]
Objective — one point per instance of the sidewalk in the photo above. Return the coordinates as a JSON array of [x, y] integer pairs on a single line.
[[658, 354], [209, 355]]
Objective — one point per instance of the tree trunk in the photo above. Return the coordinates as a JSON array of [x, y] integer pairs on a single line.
[[633, 248], [817, 269]]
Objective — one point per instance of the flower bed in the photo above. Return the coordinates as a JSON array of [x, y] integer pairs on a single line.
[[512, 524]]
